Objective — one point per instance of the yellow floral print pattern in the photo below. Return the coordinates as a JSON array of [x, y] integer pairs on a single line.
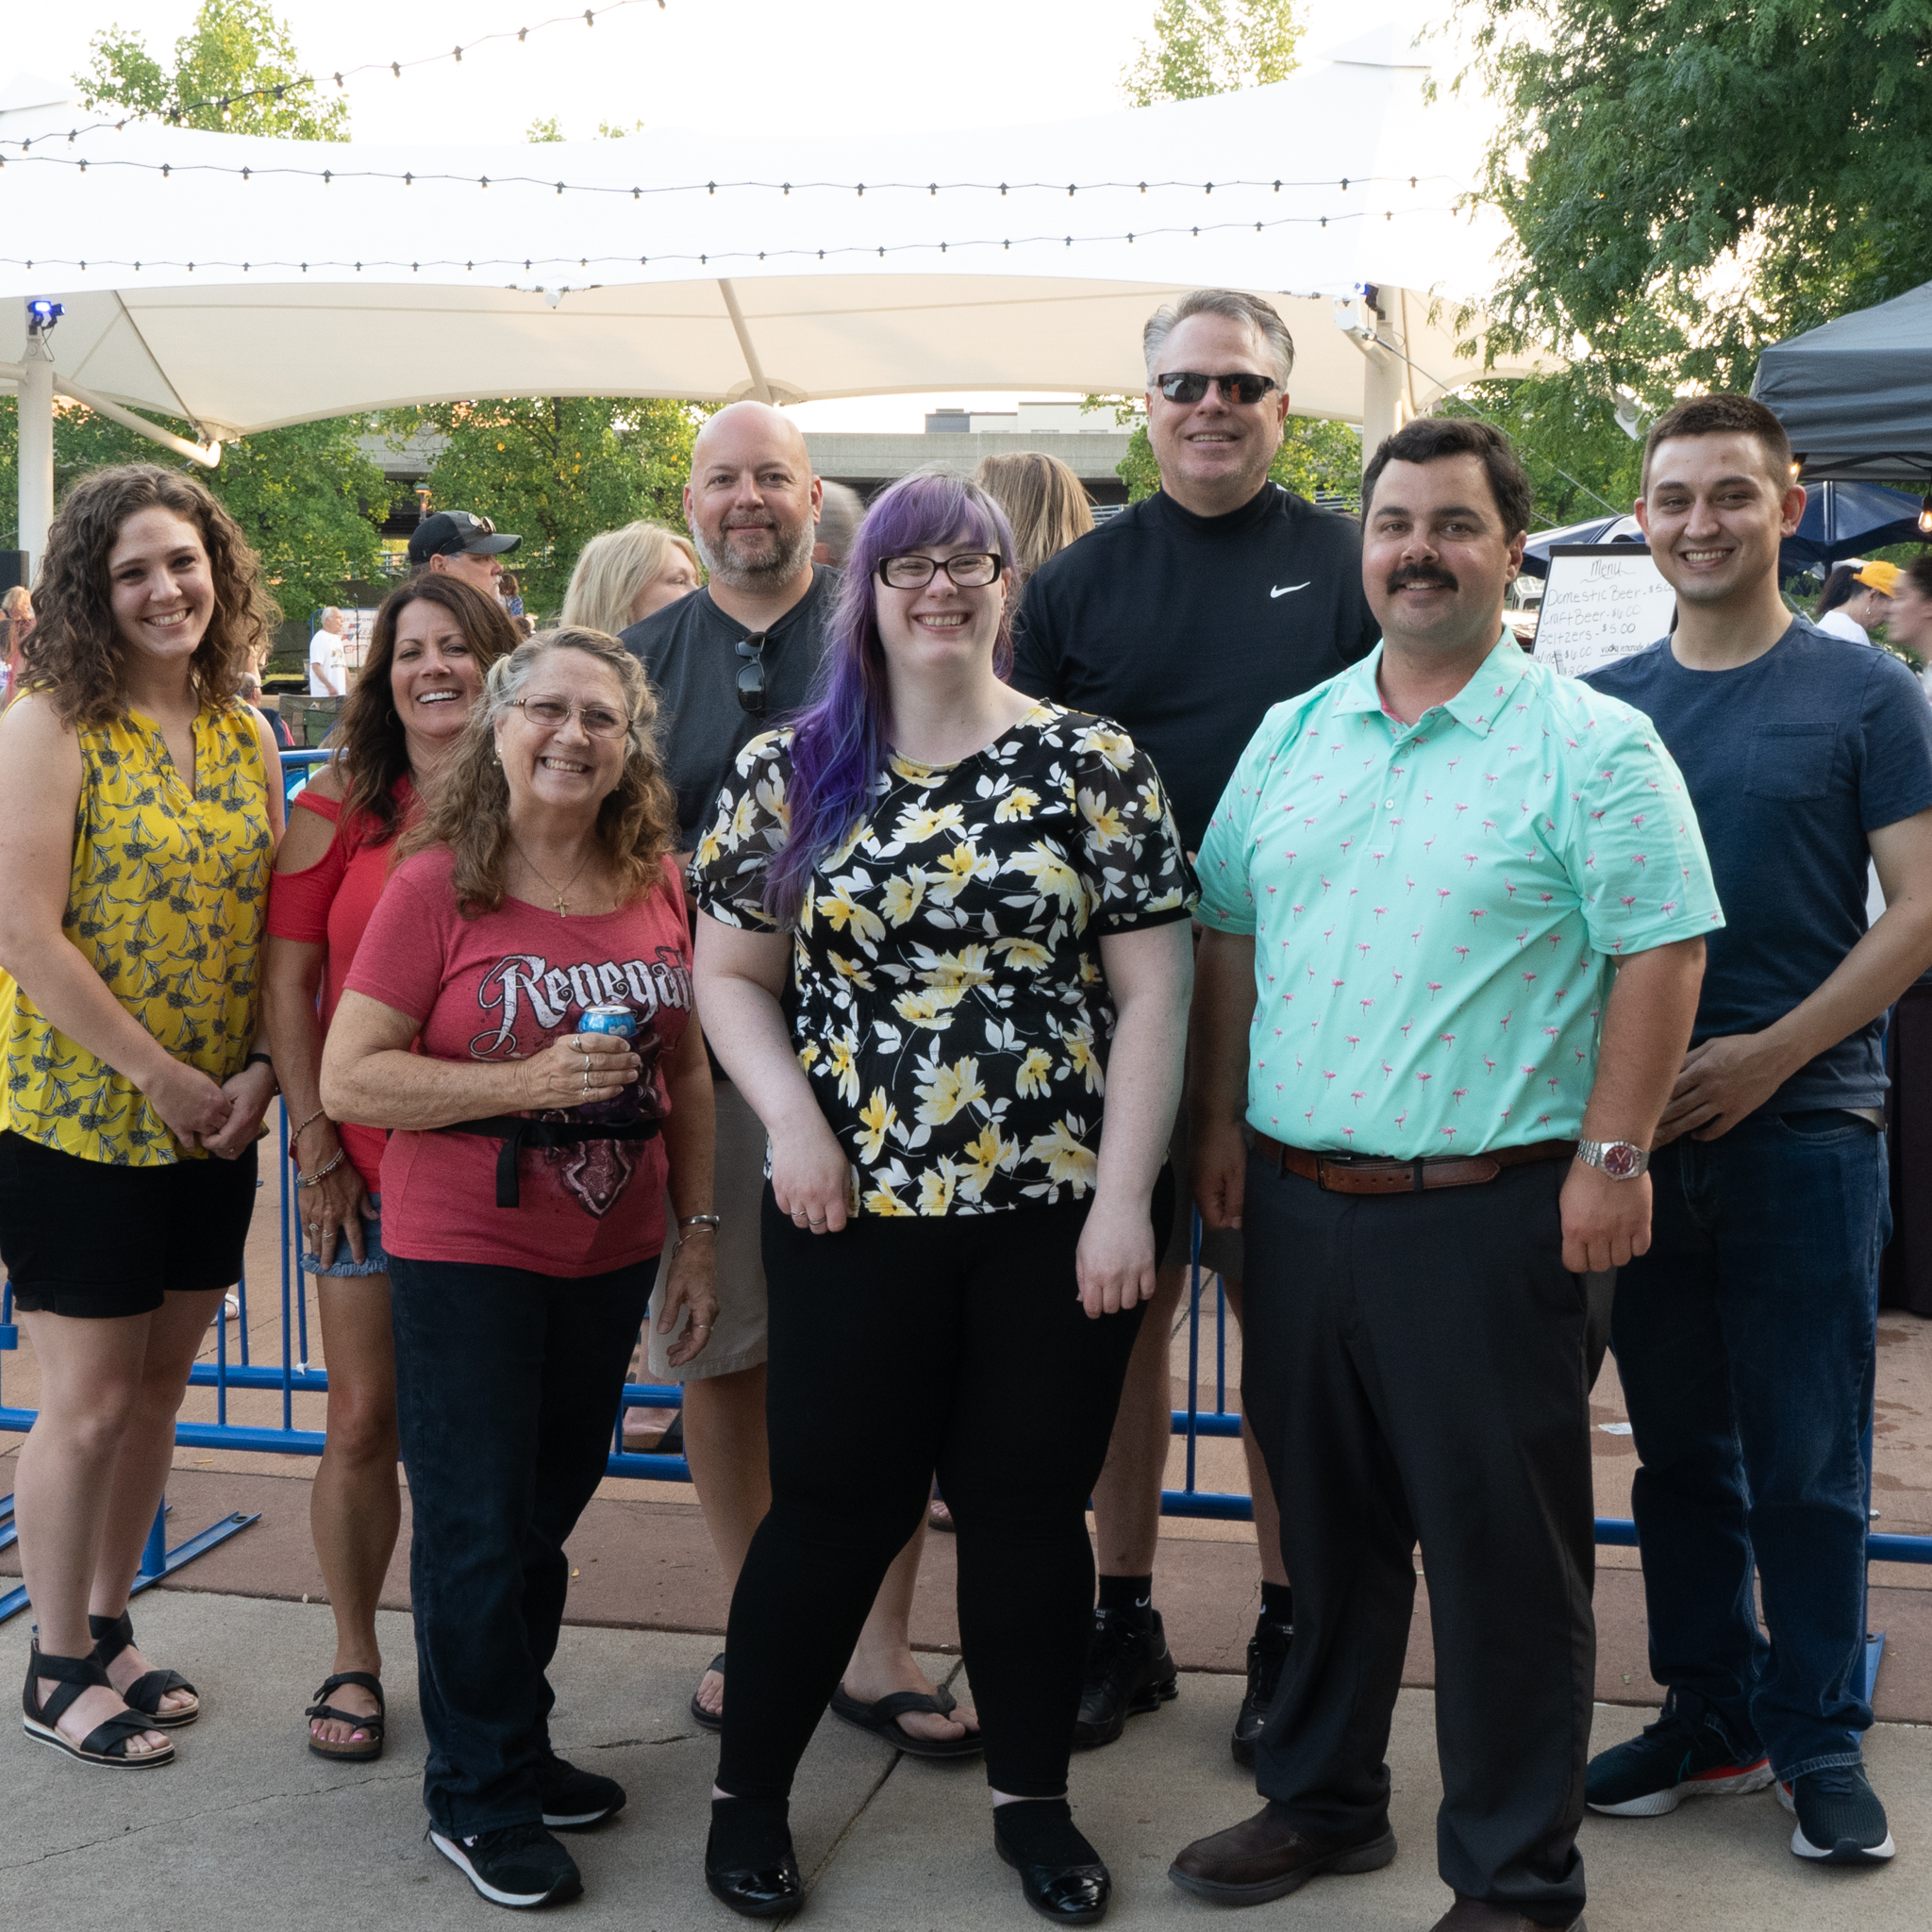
[[948, 1001]]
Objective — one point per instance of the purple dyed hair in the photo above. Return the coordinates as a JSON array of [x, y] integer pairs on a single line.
[[839, 747]]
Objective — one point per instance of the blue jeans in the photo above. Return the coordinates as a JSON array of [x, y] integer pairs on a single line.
[[507, 1391], [1746, 1339]]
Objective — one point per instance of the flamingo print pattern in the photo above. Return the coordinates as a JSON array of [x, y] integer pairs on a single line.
[[166, 902], [947, 996], [1437, 908]]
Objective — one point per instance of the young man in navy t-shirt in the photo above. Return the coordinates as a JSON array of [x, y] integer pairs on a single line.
[[1745, 1337]]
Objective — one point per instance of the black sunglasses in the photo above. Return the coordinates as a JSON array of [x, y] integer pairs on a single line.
[[1190, 386], [751, 678]]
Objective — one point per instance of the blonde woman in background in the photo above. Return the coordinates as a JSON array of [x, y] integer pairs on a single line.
[[1045, 501], [16, 626], [623, 575]]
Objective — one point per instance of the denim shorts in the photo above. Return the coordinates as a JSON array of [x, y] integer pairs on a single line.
[[345, 1263]]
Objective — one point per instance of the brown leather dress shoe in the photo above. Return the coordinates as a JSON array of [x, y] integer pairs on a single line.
[[1265, 1857], [1477, 1915]]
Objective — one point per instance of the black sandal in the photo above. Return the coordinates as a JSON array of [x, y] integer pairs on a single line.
[[882, 1721], [352, 1750], [106, 1743], [112, 1635], [708, 1720]]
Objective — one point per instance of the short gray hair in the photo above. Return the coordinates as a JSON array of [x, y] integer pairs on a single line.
[[1232, 306], [840, 511]]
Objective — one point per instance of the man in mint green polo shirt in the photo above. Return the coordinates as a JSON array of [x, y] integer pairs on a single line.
[[1455, 909]]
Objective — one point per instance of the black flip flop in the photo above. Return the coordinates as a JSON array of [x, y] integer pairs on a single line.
[[350, 1750], [882, 1721], [708, 1720]]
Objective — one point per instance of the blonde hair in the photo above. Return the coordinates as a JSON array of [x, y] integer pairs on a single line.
[[17, 600], [1045, 503], [612, 568], [637, 824]]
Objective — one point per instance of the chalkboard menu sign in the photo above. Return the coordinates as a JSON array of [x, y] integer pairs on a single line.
[[1600, 602]]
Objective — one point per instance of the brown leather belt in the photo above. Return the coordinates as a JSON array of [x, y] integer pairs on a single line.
[[1352, 1174]]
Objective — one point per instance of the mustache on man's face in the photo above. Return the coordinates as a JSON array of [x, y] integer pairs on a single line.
[[1432, 574]]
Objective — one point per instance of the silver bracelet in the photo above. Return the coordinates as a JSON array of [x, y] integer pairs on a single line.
[[308, 1180], [710, 1222]]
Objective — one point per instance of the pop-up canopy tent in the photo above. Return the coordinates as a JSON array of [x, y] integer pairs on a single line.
[[1855, 396], [1840, 521], [242, 283]]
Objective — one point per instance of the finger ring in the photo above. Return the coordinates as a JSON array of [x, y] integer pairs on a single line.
[[700, 1325], [815, 1224], [315, 1227]]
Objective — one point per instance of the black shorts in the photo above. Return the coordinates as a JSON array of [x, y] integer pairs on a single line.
[[84, 1238]]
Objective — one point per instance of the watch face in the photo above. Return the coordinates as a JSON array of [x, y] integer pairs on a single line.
[[1622, 1160]]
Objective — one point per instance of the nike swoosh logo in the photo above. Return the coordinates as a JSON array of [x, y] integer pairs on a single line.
[[1283, 589]]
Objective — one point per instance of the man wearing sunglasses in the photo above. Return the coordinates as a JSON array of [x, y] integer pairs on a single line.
[[727, 662], [1185, 618]]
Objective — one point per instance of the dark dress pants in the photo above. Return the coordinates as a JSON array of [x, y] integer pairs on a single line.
[[1414, 1368], [508, 1385]]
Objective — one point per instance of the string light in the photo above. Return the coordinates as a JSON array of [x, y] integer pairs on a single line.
[[530, 263], [708, 188]]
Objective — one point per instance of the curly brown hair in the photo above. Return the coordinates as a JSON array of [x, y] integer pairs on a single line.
[[369, 735], [77, 647], [637, 824]]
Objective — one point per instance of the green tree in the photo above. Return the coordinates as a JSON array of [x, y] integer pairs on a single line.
[[1688, 180], [236, 71], [309, 498], [1212, 47], [1580, 463], [1314, 456], [557, 470]]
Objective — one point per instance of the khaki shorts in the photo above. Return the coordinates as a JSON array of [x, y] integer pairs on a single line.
[[1220, 1247], [738, 1336]]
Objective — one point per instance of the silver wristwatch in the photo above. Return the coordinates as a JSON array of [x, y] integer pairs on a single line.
[[1620, 1159]]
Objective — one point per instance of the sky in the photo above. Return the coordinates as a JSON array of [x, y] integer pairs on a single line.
[[770, 65]]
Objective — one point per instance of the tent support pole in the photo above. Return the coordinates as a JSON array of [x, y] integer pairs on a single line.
[[208, 454], [759, 386], [35, 453]]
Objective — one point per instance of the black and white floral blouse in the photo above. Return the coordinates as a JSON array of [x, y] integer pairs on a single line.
[[947, 995]]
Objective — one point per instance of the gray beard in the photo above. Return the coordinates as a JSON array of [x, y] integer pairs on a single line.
[[790, 560]]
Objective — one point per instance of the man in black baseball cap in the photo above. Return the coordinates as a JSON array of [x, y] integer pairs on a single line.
[[462, 546]]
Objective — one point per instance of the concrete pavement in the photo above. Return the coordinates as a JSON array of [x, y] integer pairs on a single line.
[[250, 1832]]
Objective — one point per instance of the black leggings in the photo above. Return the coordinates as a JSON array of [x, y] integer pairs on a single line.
[[899, 1348]]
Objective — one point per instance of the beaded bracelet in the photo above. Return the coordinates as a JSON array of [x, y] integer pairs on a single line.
[[295, 1133], [308, 1180]]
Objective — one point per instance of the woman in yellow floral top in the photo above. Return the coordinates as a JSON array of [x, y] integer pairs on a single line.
[[139, 806], [946, 944]]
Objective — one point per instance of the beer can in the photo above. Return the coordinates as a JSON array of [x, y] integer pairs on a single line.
[[611, 1019], [622, 1022]]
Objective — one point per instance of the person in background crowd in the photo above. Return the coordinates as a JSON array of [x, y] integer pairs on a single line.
[[435, 638], [1855, 600], [1443, 1142], [547, 889], [16, 627], [624, 577], [526, 627], [510, 591], [139, 806], [1185, 618], [840, 511], [958, 1255], [327, 667], [457, 542], [1746, 1337], [1909, 623], [741, 652], [1044, 502], [249, 690]]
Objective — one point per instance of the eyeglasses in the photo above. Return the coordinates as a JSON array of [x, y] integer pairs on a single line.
[[553, 714], [971, 570], [1190, 386], [751, 678]]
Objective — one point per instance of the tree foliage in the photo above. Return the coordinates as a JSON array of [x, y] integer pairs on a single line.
[[556, 470], [1690, 181], [1314, 456], [1212, 47], [235, 48], [1580, 463]]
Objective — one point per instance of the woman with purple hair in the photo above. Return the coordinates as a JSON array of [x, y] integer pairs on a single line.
[[945, 944]]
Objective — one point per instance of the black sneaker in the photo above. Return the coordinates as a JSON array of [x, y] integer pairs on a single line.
[[1267, 1654], [1129, 1670], [1841, 1821], [517, 1865], [574, 1800], [1672, 1760]]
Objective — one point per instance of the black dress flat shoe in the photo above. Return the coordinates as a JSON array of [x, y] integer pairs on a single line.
[[1060, 1874], [762, 1892]]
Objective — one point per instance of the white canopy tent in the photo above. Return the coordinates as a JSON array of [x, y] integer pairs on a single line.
[[242, 284]]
